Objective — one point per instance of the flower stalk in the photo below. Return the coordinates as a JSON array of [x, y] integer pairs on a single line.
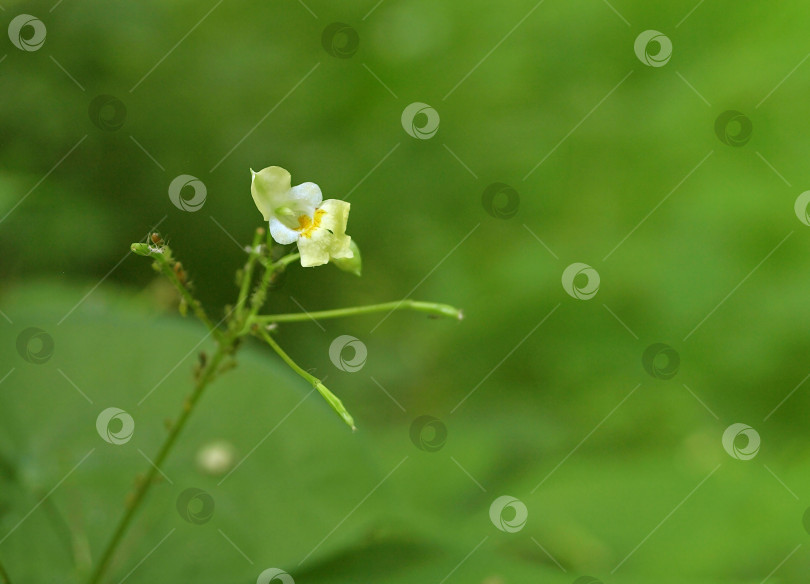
[[295, 215], [431, 308], [330, 397]]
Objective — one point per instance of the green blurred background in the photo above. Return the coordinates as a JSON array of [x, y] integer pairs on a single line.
[[634, 483]]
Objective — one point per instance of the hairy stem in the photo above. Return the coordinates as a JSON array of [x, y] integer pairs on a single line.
[[247, 274], [196, 306], [243, 321], [226, 342], [260, 295]]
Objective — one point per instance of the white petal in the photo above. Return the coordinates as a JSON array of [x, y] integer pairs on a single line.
[[307, 197], [281, 233], [270, 187]]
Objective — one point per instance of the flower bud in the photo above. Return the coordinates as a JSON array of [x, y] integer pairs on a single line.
[[140, 249], [354, 264], [336, 404]]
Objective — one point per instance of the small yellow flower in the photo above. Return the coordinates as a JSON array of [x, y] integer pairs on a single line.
[[299, 214]]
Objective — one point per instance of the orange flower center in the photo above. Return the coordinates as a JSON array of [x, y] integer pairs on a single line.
[[306, 225]]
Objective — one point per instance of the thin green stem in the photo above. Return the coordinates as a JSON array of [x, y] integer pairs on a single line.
[[431, 308], [244, 320], [263, 334], [207, 373], [247, 274], [206, 376], [196, 306], [330, 397], [286, 260], [279, 264]]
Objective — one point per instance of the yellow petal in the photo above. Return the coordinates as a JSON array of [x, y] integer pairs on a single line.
[[327, 238]]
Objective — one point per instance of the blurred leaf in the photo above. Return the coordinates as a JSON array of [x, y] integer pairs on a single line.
[[300, 471]]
